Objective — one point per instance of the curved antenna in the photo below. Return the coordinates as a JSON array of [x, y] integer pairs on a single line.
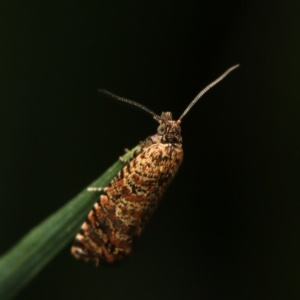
[[156, 117], [206, 89]]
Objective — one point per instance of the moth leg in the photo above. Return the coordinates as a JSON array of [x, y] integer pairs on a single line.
[[150, 140], [95, 189], [123, 160], [126, 150]]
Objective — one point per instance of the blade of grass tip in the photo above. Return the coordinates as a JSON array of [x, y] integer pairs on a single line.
[[20, 264]]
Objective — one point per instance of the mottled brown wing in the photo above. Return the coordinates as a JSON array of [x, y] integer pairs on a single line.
[[125, 206]]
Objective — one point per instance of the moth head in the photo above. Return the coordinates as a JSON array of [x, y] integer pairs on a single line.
[[169, 131]]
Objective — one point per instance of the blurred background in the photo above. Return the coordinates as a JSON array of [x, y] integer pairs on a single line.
[[228, 226]]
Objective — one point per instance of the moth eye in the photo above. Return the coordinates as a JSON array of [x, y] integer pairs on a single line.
[[161, 130]]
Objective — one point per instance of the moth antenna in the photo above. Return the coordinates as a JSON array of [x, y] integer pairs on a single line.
[[206, 89], [156, 117]]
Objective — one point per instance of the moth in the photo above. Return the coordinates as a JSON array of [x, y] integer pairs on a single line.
[[127, 203]]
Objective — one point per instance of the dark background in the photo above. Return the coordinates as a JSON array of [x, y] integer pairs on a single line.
[[228, 226]]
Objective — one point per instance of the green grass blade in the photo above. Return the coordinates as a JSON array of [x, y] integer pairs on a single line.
[[20, 264]]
